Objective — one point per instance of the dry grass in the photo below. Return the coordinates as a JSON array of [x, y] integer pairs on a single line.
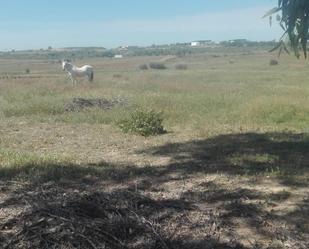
[[231, 172]]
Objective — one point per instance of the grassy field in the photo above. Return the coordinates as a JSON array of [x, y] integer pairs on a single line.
[[231, 171]]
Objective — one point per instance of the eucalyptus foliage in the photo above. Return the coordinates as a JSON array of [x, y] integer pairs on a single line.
[[293, 17]]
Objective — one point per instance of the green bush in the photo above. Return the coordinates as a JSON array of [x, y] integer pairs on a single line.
[[181, 67], [143, 67], [157, 65], [145, 123]]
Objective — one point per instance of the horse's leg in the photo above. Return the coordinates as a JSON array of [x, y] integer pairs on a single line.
[[69, 77], [90, 75], [72, 78]]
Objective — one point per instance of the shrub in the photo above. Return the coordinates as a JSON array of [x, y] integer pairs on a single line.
[[157, 65], [27, 70], [108, 53], [145, 123], [143, 67], [117, 75], [273, 62], [181, 67]]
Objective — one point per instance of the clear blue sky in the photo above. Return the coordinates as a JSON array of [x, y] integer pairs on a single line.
[[61, 23]]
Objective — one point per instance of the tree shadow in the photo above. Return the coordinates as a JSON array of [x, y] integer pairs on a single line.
[[128, 206], [285, 155], [57, 217]]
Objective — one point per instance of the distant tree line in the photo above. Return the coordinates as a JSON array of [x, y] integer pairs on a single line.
[[174, 49]]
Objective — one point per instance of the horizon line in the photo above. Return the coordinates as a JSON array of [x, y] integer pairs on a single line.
[[132, 45]]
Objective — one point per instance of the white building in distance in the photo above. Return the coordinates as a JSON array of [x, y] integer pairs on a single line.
[[118, 56], [202, 43]]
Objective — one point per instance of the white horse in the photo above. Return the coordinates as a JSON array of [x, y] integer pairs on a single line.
[[75, 72]]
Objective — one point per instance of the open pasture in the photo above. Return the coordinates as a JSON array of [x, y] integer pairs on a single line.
[[231, 171]]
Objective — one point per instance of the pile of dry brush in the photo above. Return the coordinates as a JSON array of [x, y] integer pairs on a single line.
[[74, 219], [78, 104]]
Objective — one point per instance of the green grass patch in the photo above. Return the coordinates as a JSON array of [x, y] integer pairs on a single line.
[[34, 168], [25, 165]]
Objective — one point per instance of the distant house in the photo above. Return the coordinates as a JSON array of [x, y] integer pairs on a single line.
[[118, 56], [238, 41], [195, 44], [123, 48], [202, 43]]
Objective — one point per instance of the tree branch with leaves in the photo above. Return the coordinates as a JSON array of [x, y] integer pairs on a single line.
[[293, 17]]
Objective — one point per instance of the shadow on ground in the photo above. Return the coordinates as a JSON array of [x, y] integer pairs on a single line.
[[127, 206], [240, 154]]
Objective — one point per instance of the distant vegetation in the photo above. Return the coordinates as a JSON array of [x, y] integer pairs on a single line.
[[179, 49], [143, 67], [181, 67], [157, 65], [55, 54], [273, 62]]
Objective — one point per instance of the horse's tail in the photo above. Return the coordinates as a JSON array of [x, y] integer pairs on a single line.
[[91, 76]]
